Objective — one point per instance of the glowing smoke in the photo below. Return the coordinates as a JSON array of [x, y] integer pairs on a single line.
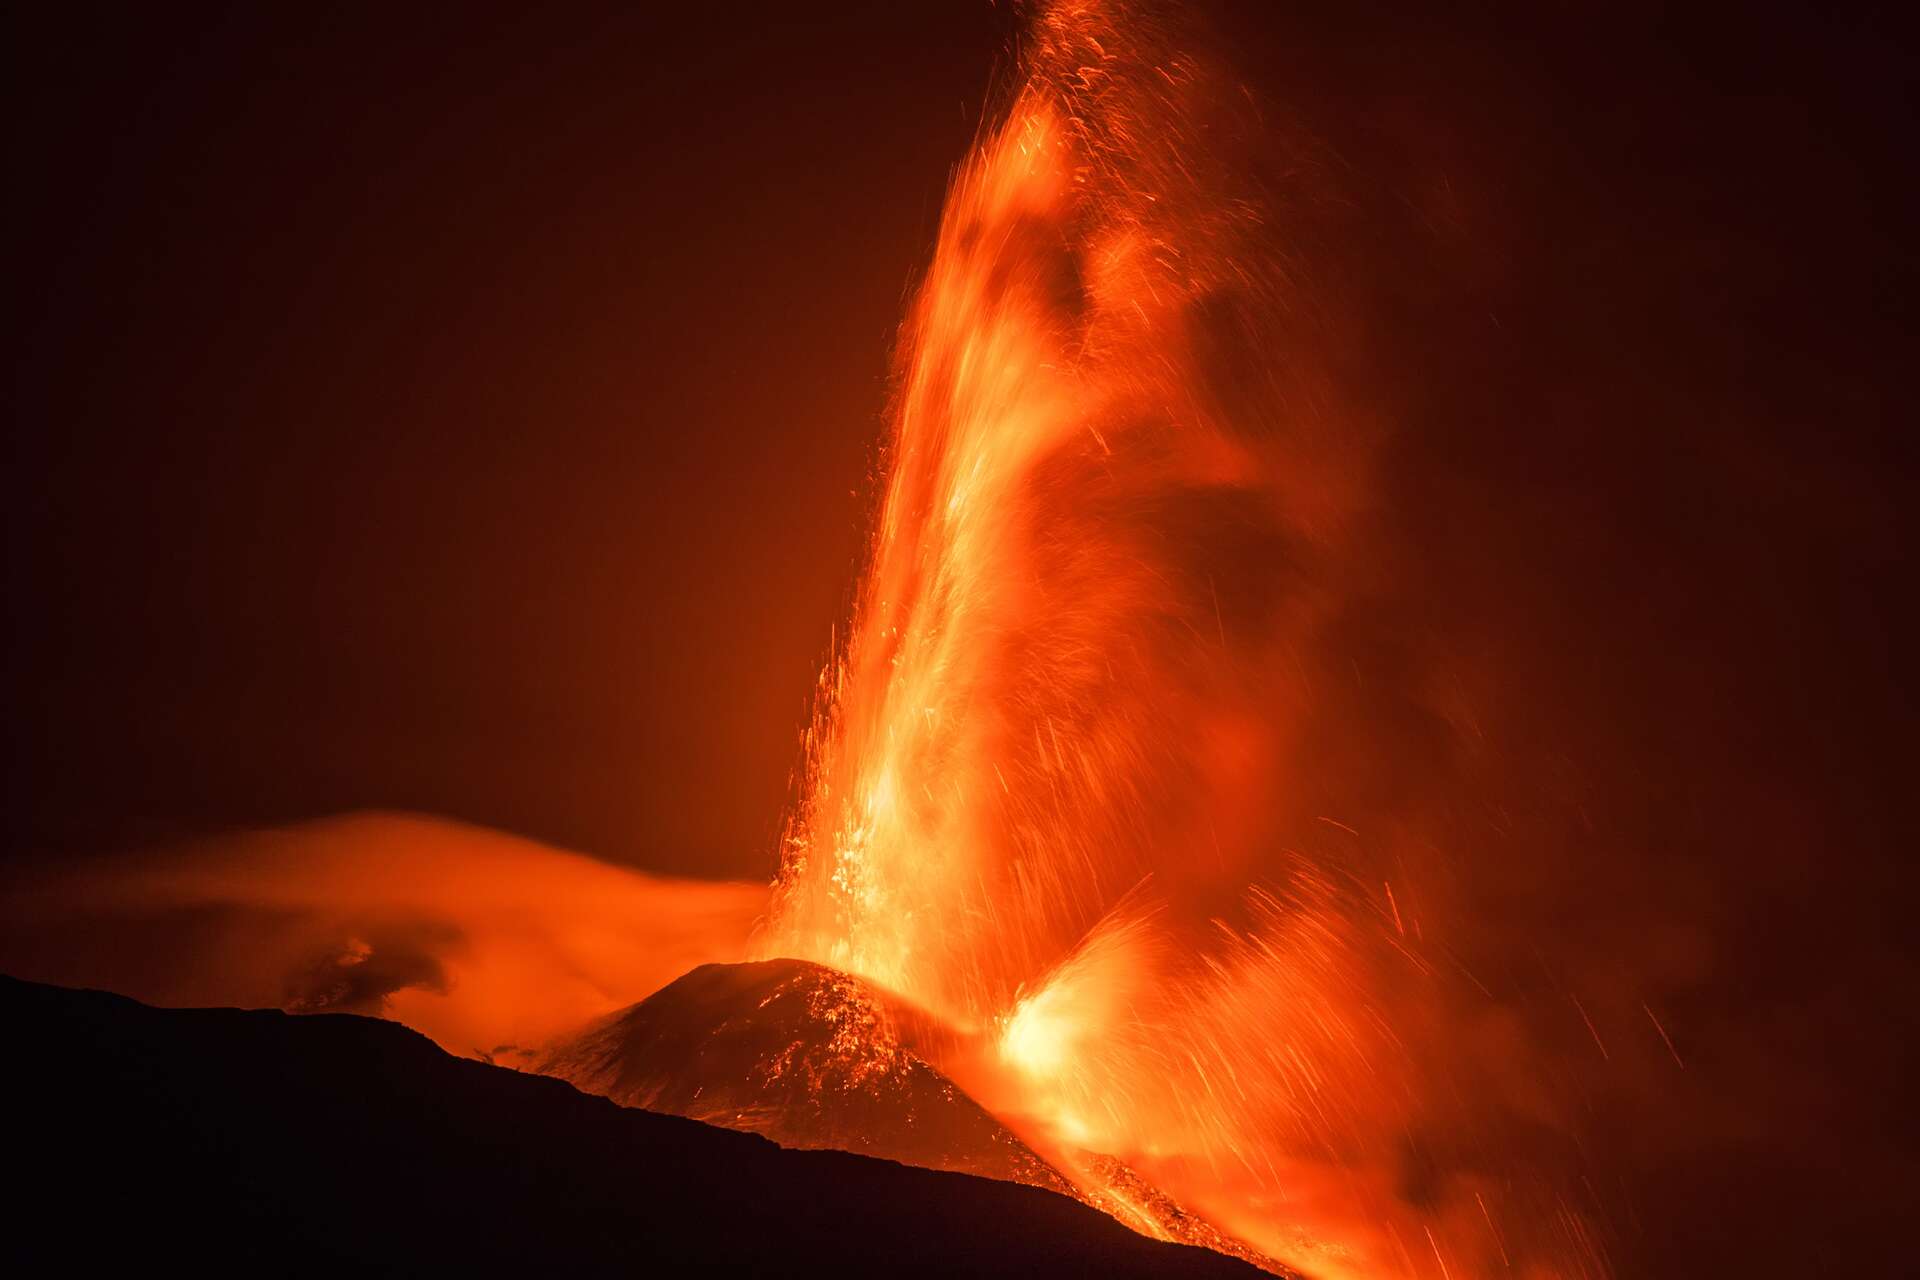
[[481, 940]]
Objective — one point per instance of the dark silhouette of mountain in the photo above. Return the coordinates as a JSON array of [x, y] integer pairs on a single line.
[[222, 1139]]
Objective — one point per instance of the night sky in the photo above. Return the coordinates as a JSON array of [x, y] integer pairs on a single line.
[[477, 414], [470, 415]]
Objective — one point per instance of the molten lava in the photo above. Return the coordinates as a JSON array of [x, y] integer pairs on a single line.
[[1050, 793]]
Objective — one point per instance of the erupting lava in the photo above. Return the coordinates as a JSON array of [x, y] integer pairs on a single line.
[[1047, 794]]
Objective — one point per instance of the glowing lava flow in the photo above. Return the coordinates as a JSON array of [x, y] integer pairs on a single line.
[[1047, 792]]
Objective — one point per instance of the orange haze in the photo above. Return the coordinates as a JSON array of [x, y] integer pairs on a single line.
[[485, 942]]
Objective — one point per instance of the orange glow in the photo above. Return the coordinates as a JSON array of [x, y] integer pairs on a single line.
[[483, 941], [1048, 787]]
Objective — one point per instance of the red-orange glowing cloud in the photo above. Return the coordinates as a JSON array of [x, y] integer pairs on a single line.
[[485, 942]]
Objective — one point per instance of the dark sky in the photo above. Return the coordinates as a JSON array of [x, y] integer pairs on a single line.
[[464, 414]]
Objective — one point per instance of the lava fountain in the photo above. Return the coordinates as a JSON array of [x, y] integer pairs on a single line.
[[1050, 795]]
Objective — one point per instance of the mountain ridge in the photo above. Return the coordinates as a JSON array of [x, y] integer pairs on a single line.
[[228, 1137]]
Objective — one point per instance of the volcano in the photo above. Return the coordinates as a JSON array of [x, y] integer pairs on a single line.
[[814, 1058], [802, 1054]]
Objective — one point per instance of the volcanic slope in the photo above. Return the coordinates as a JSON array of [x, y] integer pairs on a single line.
[[801, 1054], [815, 1058]]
